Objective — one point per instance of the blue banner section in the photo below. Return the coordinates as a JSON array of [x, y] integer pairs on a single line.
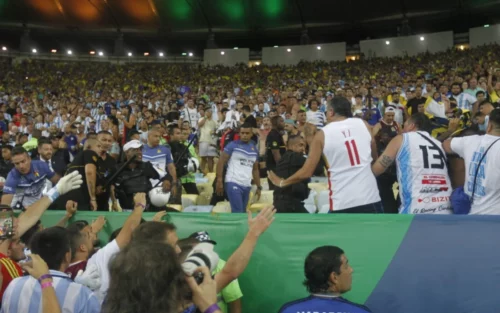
[[444, 264]]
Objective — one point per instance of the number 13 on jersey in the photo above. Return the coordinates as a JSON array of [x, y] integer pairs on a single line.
[[352, 151]]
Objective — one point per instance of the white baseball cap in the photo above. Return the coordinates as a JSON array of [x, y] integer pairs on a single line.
[[132, 144]]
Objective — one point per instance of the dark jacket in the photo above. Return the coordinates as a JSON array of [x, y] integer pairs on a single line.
[[288, 165], [131, 181], [60, 161]]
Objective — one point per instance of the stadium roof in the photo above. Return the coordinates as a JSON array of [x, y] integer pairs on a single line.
[[243, 23]]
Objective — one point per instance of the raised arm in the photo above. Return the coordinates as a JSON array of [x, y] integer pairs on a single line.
[[238, 261], [307, 170], [35, 211], [132, 221]]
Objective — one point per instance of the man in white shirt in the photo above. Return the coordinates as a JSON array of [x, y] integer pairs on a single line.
[[482, 169], [190, 114], [349, 148], [464, 100]]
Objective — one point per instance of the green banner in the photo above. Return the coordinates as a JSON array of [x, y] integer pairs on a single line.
[[276, 271]]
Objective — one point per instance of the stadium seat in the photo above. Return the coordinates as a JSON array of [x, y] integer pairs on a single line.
[[204, 198], [189, 200], [311, 200], [211, 178], [318, 179], [323, 199], [264, 183], [318, 187], [324, 209], [222, 207], [266, 198], [311, 208], [177, 207], [205, 187], [199, 209]]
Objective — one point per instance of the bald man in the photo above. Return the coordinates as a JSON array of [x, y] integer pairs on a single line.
[[291, 198]]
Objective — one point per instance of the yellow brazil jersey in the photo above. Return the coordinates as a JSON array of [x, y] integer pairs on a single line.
[[494, 97]]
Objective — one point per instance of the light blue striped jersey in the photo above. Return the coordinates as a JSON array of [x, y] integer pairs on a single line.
[[159, 157], [465, 101], [24, 295], [241, 161], [424, 183]]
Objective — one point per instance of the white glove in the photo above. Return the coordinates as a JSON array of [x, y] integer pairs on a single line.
[[90, 278], [67, 183]]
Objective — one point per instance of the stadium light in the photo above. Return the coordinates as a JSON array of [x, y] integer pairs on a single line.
[[190, 54], [34, 51], [387, 42], [4, 48], [422, 38], [130, 54], [487, 25], [92, 52], [101, 53], [235, 48], [160, 54], [288, 50], [146, 54], [71, 52], [222, 53], [53, 51], [318, 47]]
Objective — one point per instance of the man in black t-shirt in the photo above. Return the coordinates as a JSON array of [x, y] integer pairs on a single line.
[[106, 165], [414, 102], [291, 198], [86, 162], [275, 146]]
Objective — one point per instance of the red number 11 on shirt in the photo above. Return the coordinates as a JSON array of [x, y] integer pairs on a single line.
[[352, 150]]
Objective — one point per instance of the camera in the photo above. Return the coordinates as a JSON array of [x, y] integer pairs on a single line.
[[6, 224], [201, 255]]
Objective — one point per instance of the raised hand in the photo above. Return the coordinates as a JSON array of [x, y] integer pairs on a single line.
[[274, 178], [259, 224], [69, 182], [140, 198], [159, 216], [98, 224], [71, 207]]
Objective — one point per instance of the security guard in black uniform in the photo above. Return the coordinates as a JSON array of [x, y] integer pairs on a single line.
[[135, 177], [290, 199]]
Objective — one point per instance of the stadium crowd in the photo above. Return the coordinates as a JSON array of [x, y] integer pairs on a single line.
[[408, 135]]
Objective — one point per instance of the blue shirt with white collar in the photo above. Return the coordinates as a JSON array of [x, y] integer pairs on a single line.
[[322, 304], [28, 188]]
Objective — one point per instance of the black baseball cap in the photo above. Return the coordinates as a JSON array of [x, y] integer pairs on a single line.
[[202, 236]]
